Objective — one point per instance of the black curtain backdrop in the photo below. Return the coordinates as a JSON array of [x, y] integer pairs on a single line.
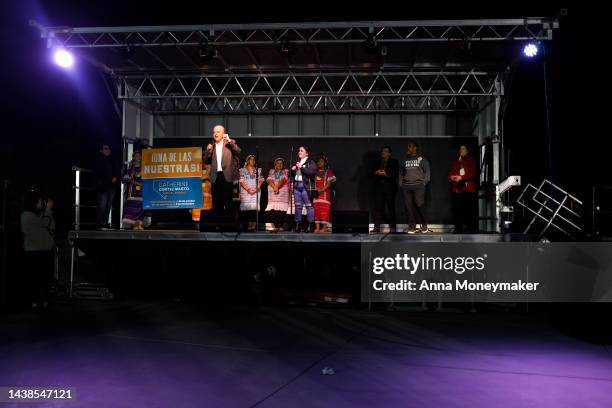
[[352, 159]]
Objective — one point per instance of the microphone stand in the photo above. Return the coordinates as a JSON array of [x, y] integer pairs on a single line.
[[257, 187], [290, 182]]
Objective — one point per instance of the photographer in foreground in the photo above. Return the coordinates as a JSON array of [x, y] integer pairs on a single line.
[[38, 227]]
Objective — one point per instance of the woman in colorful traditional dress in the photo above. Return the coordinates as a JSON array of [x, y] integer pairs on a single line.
[[250, 186], [323, 196], [278, 195], [133, 213], [206, 194]]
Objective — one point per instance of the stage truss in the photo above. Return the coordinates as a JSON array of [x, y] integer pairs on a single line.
[[434, 65]]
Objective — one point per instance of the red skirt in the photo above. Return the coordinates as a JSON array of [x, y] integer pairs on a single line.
[[322, 212]]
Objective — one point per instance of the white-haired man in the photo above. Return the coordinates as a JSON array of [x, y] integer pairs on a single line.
[[221, 156]]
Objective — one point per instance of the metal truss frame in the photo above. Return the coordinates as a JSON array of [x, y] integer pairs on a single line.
[[283, 87], [302, 33], [348, 91]]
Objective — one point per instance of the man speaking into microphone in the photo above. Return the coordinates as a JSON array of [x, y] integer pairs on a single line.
[[221, 156]]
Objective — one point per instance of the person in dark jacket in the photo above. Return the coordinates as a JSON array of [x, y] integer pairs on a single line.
[[465, 200], [107, 174], [222, 154], [385, 172], [415, 175], [38, 228], [303, 174]]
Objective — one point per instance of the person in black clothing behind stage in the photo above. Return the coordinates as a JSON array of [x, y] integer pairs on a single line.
[[107, 175], [221, 154], [385, 172]]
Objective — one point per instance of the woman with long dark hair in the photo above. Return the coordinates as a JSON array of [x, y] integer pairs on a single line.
[[278, 194], [322, 202], [251, 180], [465, 200], [303, 173]]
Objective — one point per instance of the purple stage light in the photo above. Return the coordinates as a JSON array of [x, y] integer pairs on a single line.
[[63, 58], [530, 50]]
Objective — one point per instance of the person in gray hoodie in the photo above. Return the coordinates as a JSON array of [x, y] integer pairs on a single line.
[[38, 227], [414, 176]]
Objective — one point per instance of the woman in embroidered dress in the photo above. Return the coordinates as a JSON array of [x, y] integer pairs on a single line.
[[133, 213], [278, 194], [206, 194], [250, 186], [323, 196]]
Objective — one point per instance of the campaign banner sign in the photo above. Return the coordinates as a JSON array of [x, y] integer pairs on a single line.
[[172, 178]]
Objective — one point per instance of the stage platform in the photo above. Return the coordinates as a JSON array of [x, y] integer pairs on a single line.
[[177, 256], [186, 235]]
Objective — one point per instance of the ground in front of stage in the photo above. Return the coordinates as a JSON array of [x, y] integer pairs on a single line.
[[162, 354]]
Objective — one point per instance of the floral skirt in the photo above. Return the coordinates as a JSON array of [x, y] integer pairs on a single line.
[[133, 211]]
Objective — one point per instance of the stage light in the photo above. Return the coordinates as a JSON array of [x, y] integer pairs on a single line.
[[127, 52], [530, 50], [63, 58], [465, 46], [287, 49], [206, 52], [370, 46]]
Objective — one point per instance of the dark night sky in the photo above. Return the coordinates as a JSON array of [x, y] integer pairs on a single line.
[[54, 122]]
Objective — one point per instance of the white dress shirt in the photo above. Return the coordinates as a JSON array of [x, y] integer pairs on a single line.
[[219, 152], [298, 173]]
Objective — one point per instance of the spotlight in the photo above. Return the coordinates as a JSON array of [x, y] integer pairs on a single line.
[[287, 49], [63, 58], [530, 50], [128, 52], [206, 52], [370, 46], [465, 46]]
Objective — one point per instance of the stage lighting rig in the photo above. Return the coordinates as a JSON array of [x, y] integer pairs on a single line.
[[128, 52], [370, 46], [287, 49], [206, 52]]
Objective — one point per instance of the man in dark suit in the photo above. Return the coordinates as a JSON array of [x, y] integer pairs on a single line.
[[385, 172], [221, 156]]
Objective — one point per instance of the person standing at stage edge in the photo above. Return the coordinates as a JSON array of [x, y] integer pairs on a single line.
[[415, 175], [465, 200], [223, 173], [107, 174], [386, 171]]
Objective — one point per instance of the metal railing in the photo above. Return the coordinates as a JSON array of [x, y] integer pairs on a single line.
[[78, 188], [553, 206], [77, 195]]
